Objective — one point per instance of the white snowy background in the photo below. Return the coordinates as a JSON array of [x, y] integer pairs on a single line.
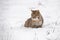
[[13, 14]]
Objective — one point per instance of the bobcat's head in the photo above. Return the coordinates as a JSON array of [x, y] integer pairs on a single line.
[[35, 14]]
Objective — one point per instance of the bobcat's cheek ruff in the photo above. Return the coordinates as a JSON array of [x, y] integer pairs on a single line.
[[35, 18]]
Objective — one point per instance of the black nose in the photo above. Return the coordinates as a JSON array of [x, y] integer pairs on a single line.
[[38, 17]]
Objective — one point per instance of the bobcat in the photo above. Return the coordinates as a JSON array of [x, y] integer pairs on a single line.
[[35, 21]]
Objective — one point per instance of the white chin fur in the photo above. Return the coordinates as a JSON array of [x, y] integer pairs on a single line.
[[35, 19]]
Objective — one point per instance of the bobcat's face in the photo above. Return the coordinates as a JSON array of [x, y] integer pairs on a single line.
[[35, 14]]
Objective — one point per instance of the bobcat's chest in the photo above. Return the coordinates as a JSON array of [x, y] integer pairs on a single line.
[[36, 21]]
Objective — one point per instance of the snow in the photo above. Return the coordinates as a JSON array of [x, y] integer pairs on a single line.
[[13, 14]]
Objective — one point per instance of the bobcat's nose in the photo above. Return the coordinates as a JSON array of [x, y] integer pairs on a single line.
[[37, 17]]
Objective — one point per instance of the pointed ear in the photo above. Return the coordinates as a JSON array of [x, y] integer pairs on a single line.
[[32, 10]]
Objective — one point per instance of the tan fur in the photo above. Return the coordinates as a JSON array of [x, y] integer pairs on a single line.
[[35, 21]]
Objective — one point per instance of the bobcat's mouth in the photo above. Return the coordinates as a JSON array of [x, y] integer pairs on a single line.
[[37, 18]]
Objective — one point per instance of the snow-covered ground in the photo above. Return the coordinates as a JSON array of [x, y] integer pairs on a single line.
[[13, 14]]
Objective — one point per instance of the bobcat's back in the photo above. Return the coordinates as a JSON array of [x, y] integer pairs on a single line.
[[28, 23]]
